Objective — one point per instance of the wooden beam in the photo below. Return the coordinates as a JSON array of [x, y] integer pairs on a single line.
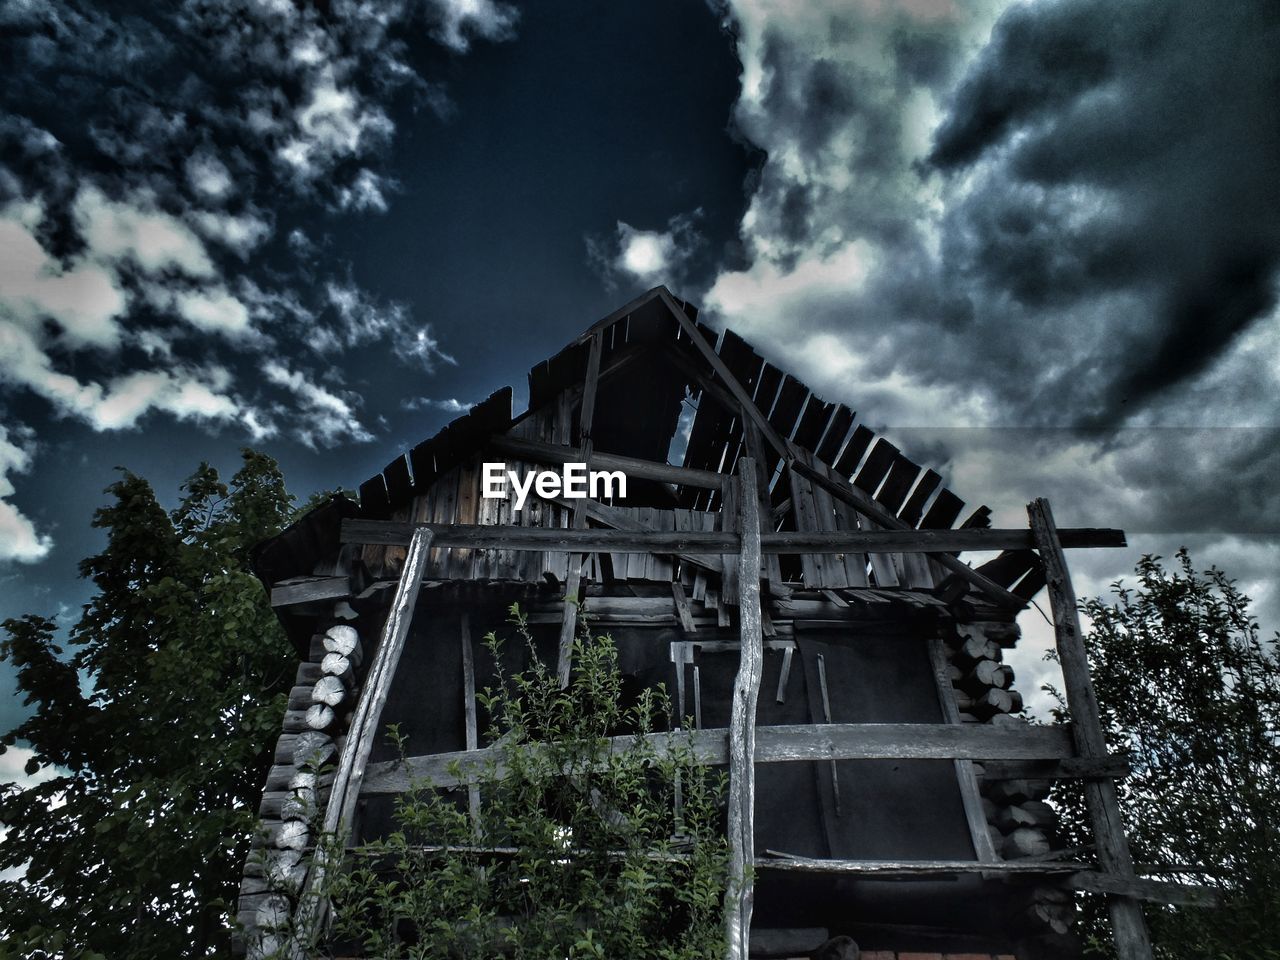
[[695, 542], [551, 453], [1137, 888], [354, 758], [970, 798], [573, 571], [630, 307], [742, 721], [780, 744], [1128, 927], [915, 868], [288, 593], [744, 401], [469, 712]]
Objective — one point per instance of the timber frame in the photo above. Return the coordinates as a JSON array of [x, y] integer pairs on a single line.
[[909, 559]]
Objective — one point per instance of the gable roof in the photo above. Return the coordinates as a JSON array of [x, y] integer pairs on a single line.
[[650, 326]]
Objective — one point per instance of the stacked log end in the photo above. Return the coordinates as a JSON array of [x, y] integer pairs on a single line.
[[297, 787], [1020, 822]]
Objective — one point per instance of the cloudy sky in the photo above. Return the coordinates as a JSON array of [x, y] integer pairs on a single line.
[[1037, 243]]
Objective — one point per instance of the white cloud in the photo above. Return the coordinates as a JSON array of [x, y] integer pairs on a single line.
[[84, 298], [136, 231], [215, 311], [208, 176], [459, 20], [241, 234], [648, 257], [449, 405], [19, 540], [13, 764], [364, 194], [334, 123], [327, 418], [361, 320]]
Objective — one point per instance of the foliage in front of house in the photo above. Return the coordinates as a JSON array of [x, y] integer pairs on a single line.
[[577, 851]]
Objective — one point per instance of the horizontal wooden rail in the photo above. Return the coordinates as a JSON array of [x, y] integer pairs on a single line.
[[817, 741], [510, 537], [553, 453]]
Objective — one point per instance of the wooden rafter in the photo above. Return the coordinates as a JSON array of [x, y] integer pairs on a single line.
[[573, 573]]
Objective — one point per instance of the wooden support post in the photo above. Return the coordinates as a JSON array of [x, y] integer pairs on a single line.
[[573, 575], [1128, 926], [469, 713], [312, 909], [983, 848], [742, 722]]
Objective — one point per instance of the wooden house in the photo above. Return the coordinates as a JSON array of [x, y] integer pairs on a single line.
[[795, 580]]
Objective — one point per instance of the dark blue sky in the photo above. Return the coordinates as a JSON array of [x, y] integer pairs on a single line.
[[1036, 242]]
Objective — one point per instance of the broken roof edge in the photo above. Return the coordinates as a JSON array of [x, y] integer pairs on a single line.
[[651, 319]]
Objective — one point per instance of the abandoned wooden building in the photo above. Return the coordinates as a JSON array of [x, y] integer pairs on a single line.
[[794, 579]]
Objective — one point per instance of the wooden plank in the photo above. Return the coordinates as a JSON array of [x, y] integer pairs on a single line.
[[1154, 891], [756, 451], [373, 497], [745, 403], [913, 510], [830, 568], [573, 567], [970, 798], [742, 721], [838, 429], [879, 460], [853, 451], [943, 511], [782, 744], [806, 521], [1128, 927], [729, 519], [549, 453], [288, 593], [713, 541], [354, 758], [915, 868], [902, 474], [683, 612], [399, 487], [869, 508], [469, 711], [816, 416]]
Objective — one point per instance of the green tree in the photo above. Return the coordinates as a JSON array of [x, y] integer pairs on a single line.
[[134, 849], [1187, 686], [578, 850]]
